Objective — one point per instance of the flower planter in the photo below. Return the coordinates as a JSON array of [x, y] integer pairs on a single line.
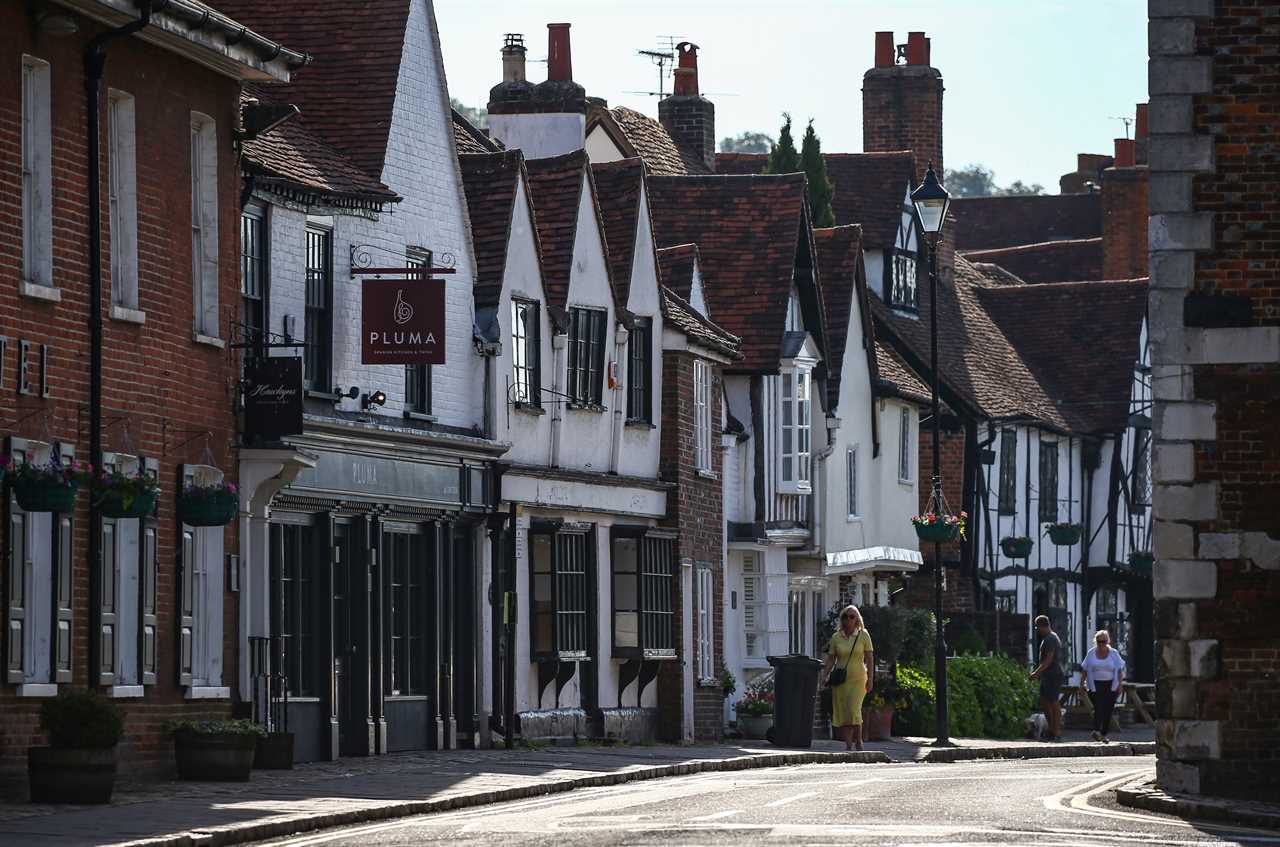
[[755, 726], [937, 532], [215, 509], [225, 757], [45, 496], [114, 505], [71, 776], [1064, 535], [274, 752], [1016, 547], [877, 724], [1140, 563]]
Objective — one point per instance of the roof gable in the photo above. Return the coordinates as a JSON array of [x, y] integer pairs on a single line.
[[648, 139], [492, 183], [619, 188], [844, 290]]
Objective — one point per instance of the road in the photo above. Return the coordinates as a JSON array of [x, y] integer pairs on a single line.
[[1044, 802]]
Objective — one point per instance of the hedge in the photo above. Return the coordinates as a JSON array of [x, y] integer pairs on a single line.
[[988, 697]]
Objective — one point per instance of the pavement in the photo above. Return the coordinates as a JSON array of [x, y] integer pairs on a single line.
[[1143, 794], [350, 791]]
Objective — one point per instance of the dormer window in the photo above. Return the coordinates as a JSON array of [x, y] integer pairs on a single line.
[[794, 441], [902, 289], [586, 355]]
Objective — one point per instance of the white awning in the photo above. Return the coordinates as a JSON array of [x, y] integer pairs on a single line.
[[869, 559]]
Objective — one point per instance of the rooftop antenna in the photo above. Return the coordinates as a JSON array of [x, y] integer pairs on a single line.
[[665, 58], [1128, 122]]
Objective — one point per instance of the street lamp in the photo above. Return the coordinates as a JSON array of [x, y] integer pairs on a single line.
[[931, 201]]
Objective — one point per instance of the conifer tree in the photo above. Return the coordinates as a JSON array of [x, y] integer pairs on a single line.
[[815, 170], [783, 158]]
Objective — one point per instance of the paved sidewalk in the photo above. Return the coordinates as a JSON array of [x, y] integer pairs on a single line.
[[1145, 795], [323, 794]]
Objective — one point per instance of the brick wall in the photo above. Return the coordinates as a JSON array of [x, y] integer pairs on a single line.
[[169, 389], [1124, 223], [1214, 309], [696, 510], [902, 110], [691, 120]]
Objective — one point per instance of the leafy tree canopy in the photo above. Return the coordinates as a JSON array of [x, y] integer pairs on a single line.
[[477, 115], [746, 142], [978, 181]]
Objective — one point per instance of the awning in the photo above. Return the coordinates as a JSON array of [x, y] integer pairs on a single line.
[[869, 559]]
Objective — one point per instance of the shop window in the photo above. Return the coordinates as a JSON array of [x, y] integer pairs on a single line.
[[563, 565], [404, 557], [643, 567], [295, 552]]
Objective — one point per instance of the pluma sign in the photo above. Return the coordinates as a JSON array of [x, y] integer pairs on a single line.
[[402, 322]]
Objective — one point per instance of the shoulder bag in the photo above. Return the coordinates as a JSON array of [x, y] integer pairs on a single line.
[[839, 675]]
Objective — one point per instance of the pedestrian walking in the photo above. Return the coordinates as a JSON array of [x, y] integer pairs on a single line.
[[1103, 674], [1051, 676], [849, 671]]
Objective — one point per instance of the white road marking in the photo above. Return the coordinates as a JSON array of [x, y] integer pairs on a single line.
[[785, 800]]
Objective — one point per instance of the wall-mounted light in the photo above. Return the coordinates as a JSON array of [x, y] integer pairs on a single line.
[[57, 24], [351, 393], [377, 398]]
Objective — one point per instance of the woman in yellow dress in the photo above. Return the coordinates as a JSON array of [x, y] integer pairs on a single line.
[[850, 648]]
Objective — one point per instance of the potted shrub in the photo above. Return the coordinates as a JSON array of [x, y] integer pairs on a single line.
[[50, 487], [79, 765], [877, 711], [728, 683], [932, 526], [1140, 561], [755, 712], [125, 495], [216, 749], [1064, 534], [214, 504], [1016, 546]]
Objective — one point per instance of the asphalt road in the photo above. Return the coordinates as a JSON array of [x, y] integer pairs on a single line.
[[1043, 802]]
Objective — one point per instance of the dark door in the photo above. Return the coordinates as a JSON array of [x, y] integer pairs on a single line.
[[347, 646]]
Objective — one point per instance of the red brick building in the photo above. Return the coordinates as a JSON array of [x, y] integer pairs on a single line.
[[92, 601]]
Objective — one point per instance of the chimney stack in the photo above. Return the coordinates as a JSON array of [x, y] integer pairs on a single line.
[[689, 117], [1125, 157], [559, 58], [902, 104], [513, 51], [1124, 214], [1140, 133]]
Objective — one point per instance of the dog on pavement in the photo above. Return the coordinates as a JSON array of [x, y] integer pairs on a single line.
[[1037, 726]]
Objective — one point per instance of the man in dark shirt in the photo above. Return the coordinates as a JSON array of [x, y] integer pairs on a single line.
[[1050, 674]]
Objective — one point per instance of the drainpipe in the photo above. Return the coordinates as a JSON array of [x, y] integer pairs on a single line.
[[95, 60]]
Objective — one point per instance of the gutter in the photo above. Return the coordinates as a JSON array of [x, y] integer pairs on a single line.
[[197, 18], [95, 61]]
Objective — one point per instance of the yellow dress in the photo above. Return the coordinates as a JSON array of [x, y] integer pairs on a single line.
[[846, 699]]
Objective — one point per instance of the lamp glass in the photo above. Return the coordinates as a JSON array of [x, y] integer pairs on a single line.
[[932, 212]]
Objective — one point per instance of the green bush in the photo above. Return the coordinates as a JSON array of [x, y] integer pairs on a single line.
[[916, 716], [81, 720], [239, 726], [988, 697], [965, 640], [900, 635]]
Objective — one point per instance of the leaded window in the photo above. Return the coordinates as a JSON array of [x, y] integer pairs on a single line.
[[795, 430], [1008, 494], [1142, 467], [905, 444], [526, 353], [640, 372], [318, 359], [253, 273], [586, 355], [563, 569], [1048, 481], [643, 568], [903, 293]]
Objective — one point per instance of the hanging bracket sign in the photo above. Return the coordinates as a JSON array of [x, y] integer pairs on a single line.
[[402, 322], [273, 397]]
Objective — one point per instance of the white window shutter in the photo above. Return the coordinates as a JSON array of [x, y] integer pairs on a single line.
[[19, 568], [186, 605], [108, 607], [63, 614]]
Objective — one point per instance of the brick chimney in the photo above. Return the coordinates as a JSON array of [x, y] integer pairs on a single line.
[[902, 102], [1140, 133], [686, 114], [1124, 215], [547, 119]]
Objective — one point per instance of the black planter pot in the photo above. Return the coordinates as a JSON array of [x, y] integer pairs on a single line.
[[217, 509], [71, 776], [274, 752], [1016, 547], [45, 496], [224, 757], [1064, 535]]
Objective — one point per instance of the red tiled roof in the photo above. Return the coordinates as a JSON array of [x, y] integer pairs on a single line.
[[650, 141], [619, 186], [348, 91], [893, 368], [491, 181], [748, 231], [1080, 339], [868, 188], [469, 138], [843, 285], [675, 267], [294, 160], [555, 190], [683, 317], [1048, 261], [986, 223]]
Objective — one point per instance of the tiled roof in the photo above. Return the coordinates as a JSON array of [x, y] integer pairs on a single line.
[[869, 188], [555, 188], [491, 181], [348, 91], [294, 160], [676, 265], [1080, 339], [683, 317], [1048, 261], [747, 229], [650, 141], [469, 138], [985, 223], [843, 284], [979, 366], [996, 275], [893, 368], [619, 186]]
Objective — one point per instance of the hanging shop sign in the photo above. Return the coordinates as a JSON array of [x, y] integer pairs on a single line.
[[273, 397], [402, 322]]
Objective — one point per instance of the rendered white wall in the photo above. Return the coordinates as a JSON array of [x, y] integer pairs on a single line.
[[540, 135]]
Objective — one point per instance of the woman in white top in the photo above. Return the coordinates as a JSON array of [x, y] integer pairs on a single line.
[[1103, 673]]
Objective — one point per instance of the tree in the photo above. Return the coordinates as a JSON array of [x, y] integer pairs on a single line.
[[783, 158], [1020, 187], [815, 170], [477, 116], [746, 142], [977, 181]]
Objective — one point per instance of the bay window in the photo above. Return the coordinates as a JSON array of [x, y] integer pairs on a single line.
[[795, 446]]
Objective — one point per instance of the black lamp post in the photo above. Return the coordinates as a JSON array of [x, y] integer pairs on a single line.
[[931, 201]]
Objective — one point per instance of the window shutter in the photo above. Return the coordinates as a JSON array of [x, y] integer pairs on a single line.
[[750, 597], [148, 606], [108, 609], [186, 604], [63, 539], [19, 568]]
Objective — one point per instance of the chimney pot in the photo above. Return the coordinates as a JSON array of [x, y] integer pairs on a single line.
[[1140, 123], [513, 51], [928, 51], [559, 60], [686, 76], [884, 50], [1126, 152], [917, 49]]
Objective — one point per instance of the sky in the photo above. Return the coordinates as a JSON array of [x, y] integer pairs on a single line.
[[1029, 83]]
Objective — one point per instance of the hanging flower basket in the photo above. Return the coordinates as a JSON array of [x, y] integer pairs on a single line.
[[124, 495], [208, 505], [936, 527], [1140, 562], [1064, 534], [1016, 546], [49, 487]]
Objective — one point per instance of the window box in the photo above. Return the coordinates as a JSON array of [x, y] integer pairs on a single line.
[[1016, 546], [1064, 534]]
